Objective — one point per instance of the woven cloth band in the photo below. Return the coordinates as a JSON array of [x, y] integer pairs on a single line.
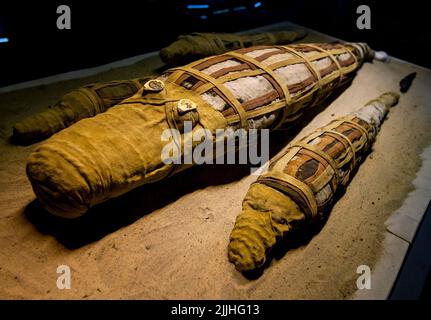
[[226, 92], [322, 154], [345, 141], [267, 69], [356, 126], [286, 184]]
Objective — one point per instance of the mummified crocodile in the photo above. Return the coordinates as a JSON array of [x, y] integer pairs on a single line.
[[260, 87]]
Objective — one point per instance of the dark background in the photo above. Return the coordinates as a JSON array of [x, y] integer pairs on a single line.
[[106, 31]]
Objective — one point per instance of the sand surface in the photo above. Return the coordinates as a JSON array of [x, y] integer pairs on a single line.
[[169, 240]]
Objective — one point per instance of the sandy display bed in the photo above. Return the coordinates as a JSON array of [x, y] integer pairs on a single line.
[[169, 240]]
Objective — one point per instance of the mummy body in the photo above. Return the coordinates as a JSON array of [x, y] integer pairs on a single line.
[[261, 87], [301, 183]]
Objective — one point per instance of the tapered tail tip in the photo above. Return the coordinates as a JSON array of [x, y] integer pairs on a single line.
[[390, 99]]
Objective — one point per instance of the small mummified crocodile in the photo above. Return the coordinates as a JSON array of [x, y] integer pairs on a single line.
[[92, 99], [301, 183], [260, 87], [200, 45], [76, 105]]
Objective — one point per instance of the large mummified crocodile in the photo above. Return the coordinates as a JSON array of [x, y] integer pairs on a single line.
[[92, 99], [261, 87], [301, 182]]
